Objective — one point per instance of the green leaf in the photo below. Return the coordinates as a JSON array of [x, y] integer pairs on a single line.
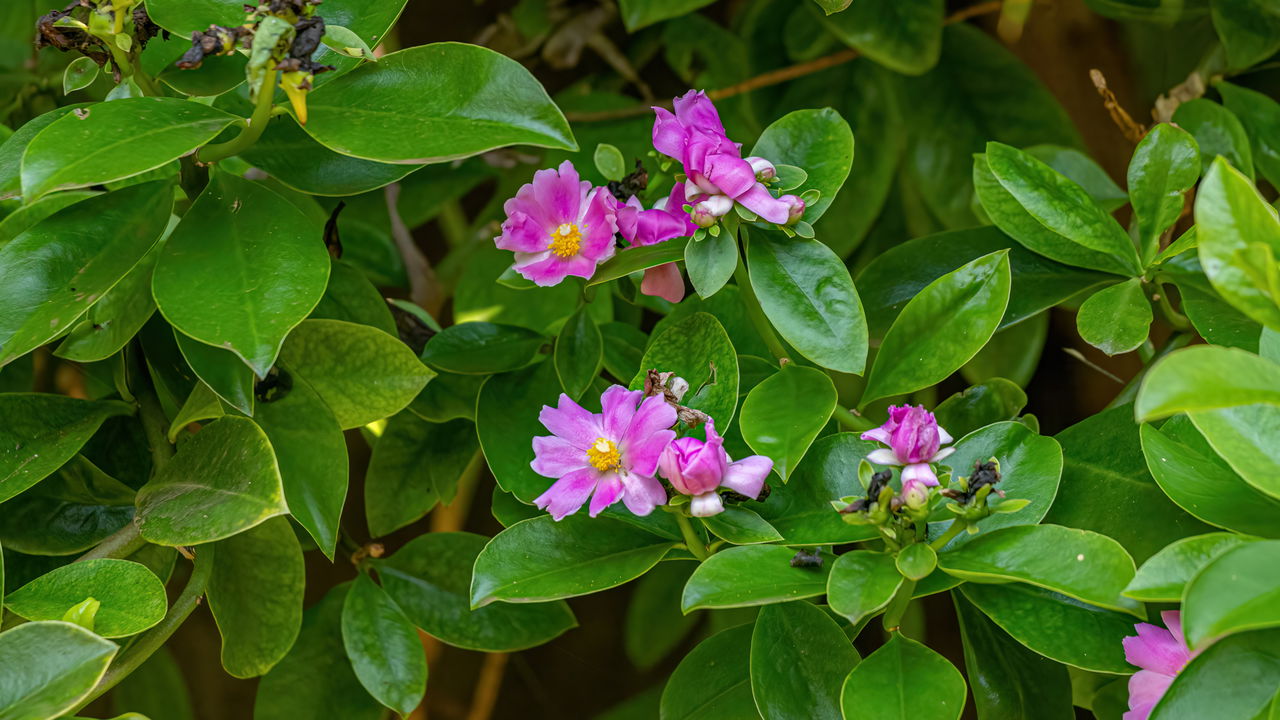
[[315, 679], [710, 262], [808, 296], [741, 526], [508, 407], [361, 373], [448, 397], [132, 597], [241, 270], [1246, 438], [1009, 681], [222, 481], [52, 273], [1235, 592], [80, 74], [1164, 166], [1080, 564], [435, 103], [1056, 626], [287, 153], [1178, 382], [71, 511], [904, 680], [347, 43], [221, 370], [1192, 474], [989, 402], [579, 353], [540, 559], [43, 684], [609, 162], [1082, 169], [820, 143], [783, 414], [112, 141], [713, 682], [1217, 131], [862, 583], [654, 625], [255, 594], [970, 299], [415, 465], [156, 689], [116, 318], [1239, 239], [635, 259], [623, 349], [1260, 116], [26, 217], [751, 575], [639, 13], [916, 561], [1116, 319], [384, 647], [1250, 30], [482, 348], [903, 36], [41, 432], [12, 149], [699, 350], [1164, 577], [799, 660], [1232, 678]]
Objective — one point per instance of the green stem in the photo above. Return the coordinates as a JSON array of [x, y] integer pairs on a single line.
[[153, 639], [154, 426], [691, 539], [898, 605], [453, 223], [756, 313], [1174, 318], [123, 543], [250, 133], [957, 527], [852, 420]]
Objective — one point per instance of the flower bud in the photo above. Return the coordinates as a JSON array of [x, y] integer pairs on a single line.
[[763, 169], [915, 493], [796, 208], [709, 211]]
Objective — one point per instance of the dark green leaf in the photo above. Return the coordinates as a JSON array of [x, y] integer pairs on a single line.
[[1086, 173], [710, 262], [351, 297], [784, 413], [623, 349], [482, 348], [156, 689], [639, 13], [70, 512], [41, 432], [287, 153], [741, 526], [713, 682], [818, 142], [132, 597], [43, 684], [903, 36], [508, 407], [1250, 30], [116, 318], [904, 680], [990, 402], [384, 648], [799, 660], [862, 583], [1217, 131], [751, 575], [1260, 116], [415, 464], [224, 372], [699, 350], [654, 624], [579, 353]]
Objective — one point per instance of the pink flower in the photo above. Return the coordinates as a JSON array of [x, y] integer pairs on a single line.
[[698, 468], [1161, 654], [695, 136], [913, 437], [559, 226], [607, 457], [667, 220]]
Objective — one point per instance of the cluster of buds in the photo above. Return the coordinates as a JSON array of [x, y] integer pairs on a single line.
[[899, 515], [104, 31], [972, 495]]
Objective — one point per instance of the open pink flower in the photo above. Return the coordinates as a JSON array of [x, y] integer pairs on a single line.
[[558, 226], [695, 136], [667, 220], [607, 457], [913, 436], [1161, 653], [699, 468]]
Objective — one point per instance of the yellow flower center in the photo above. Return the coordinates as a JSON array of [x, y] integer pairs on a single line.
[[604, 456], [565, 240]]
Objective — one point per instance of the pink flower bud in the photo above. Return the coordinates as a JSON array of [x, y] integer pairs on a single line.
[[915, 493], [795, 208], [708, 212], [763, 169], [699, 468]]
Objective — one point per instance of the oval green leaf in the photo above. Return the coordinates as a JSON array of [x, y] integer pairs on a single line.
[[43, 684], [752, 575], [875, 690], [862, 583], [1116, 319], [482, 348], [1235, 592], [132, 598], [784, 413], [1164, 577], [713, 682], [816, 141], [41, 432], [699, 350], [799, 660], [384, 647]]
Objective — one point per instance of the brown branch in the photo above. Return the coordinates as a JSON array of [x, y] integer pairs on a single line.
[[1131, 129], [424, 287], [773, 77]]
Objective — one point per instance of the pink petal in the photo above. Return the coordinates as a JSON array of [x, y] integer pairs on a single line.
[[944, 437], [1155, 649], [919, 472], [522, 233], [598, 225], [706, 505], [732, 175], [572, 422], [758, 200], [1173, 621], [668, 134], [608, 491], [552, 269], [696, 109], [643, 493], [618, 407], [883, 456], [525, 201], [555, 457], [664, 281], [878, 434], [640, 454], [568, 493], [1140, 712], [558, 193], [747, 475], [1146, 688]]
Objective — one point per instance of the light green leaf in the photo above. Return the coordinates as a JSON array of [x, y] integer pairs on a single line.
[[132, 598], [41, 684], [1116, 319], [1164, 166], [639, 13], [710, 262], [751, 575], [1164, 577], [1206, 377], [609, 162], [862, 583], [1234, 592], [741, 526], [877, 689], [783, 414], [80, 74]]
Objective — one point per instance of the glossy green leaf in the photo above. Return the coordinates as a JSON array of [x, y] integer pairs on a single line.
[[1239, 239], [13, 147], [1082, 169], [80, 74], [430, 579], [1246, 438], [222, 481], [877, 689], [1077, 563], [654, 625], [970, 300], [69, 512], [1234, 592], [916, 561], [448, 397], [1260, 116], [1164, 577], [132, 597], [415, 465], [808, 296], [783, 414], [315, 679], [384, 647], [635, 259], [609, 161], [351, 297], [26, 217], [699, 350], [903, 36], [482, 348], [990, 402], [1235, 677], [741, 526], [145, 133], [713, 682], [1009, 682], [1177, 382], [287, 153], [801, 510], [623, 349], [40, 684], [540, 559], [507, 407], [751, 575], [579, 353], [1217, 131], [361, 373], [41, 432], [799, 660], [116, 318], [1116, 319], [241, 270], [51, 274], [710, 262], [639, 13], [1186, 467], [1056, 626], [224, 372], [862, 583], [1250, 30], [435, 103], [816, 141], [1164, 166]]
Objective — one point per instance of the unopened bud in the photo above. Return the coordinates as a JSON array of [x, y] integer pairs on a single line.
[[709, 211], [795, 208], [763, 169], [915, 494]]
